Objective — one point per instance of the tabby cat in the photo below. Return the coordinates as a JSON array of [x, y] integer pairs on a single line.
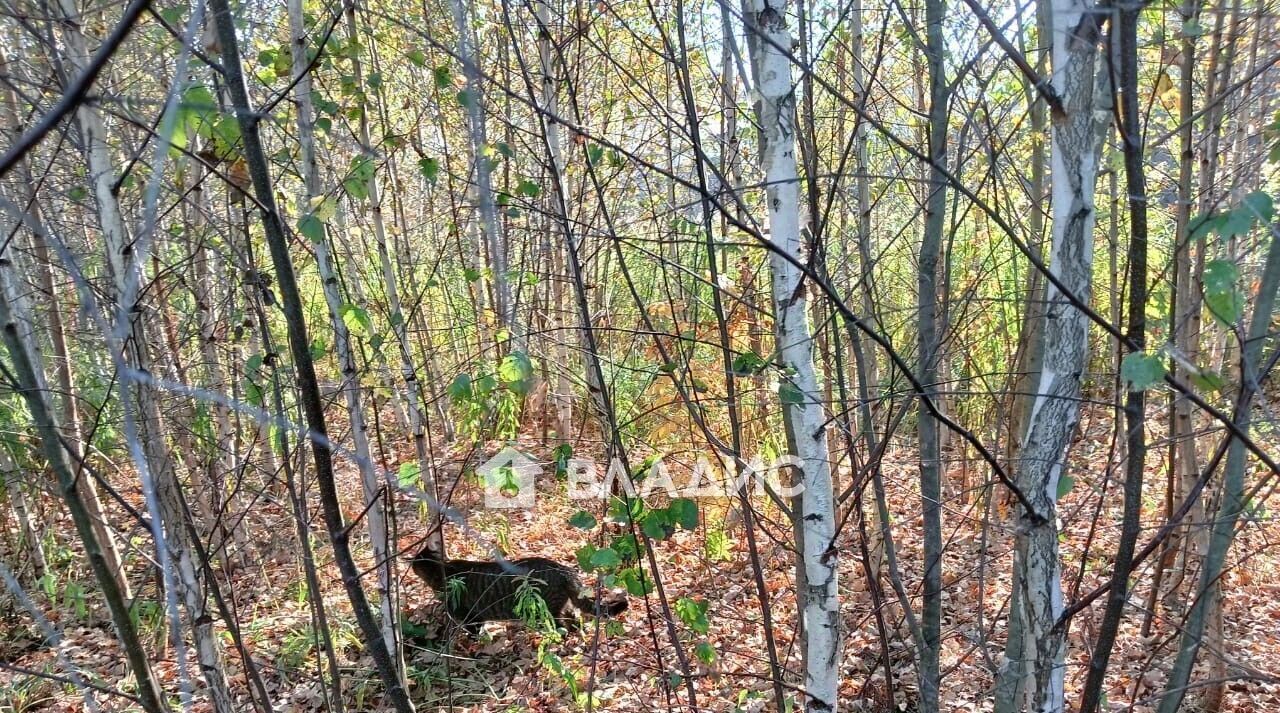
[[476, 592]]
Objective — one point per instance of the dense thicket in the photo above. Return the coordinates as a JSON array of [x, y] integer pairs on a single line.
[[994, 284]]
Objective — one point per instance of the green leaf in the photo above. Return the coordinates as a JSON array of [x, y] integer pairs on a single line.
[[705, 652], [693, 613], [358, 177], [789, 394], [463, 98], [442, 76], [584, 555], [605, 557], [747, 364], [657, 524], [486, 384], [253, 393], [637, 585], [594, 153], [1065, 484], [1201, 225], [226, 136], [516, 371], [1208, 380], [318, 349], [460, 388], [409, 474], [1221, 295], [1259, 205], [430, 168], [173, 15], [197, 106], [418, 57], [625, 511], [684, 512], [1140, 371], [253, 365], [356, 317], [471, 274], [528, 188], [311, 228], [1235, 222], [283, 62], [582, 520]]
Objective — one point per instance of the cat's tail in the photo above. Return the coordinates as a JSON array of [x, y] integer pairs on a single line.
[[608, 607]]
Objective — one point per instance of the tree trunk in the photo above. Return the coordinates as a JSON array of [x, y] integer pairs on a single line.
[[300, 349], [69, 416], [929, 341], [31, 384], [1131, 136], [494, 245], [769, 42], [1078, 124], [381, 515]]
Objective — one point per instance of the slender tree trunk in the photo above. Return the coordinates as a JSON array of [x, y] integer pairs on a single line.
[[32, 538], [494, 244], [1208, 591], [126, 272], [562, 393], [300, 349], [929, 341], [381, 515], [1131, 136], [62, 364], [1183, 465], [31, 383], [1078, 125], [769, 42], [1031, 342]]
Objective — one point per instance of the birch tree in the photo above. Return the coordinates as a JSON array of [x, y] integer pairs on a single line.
[[769, 45], [1080, 114]]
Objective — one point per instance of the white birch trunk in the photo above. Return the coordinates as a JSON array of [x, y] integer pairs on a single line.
[[770, 43], [1077, 132]]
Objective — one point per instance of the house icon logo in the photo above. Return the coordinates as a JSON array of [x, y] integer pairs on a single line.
[[509, 480]]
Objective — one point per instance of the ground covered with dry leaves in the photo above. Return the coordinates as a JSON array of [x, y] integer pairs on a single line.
[[631, 664]]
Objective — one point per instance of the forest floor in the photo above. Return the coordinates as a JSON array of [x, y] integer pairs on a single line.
[[620, 661]]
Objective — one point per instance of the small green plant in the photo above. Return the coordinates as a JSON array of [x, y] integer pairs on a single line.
[[553, 663], [532, 608], [717, 545], [454, 589], [26, 694], [298, 591], [73, 596], [490, 404], [561, 455], [296, 648]]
